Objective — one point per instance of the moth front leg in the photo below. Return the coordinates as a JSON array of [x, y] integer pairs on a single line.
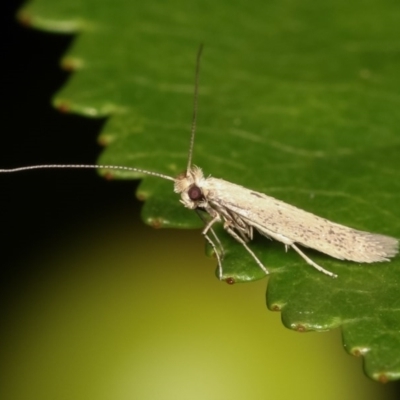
[[214, 244], [214, 247]]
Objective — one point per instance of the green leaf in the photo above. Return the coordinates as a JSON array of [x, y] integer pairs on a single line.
[[298, 99]]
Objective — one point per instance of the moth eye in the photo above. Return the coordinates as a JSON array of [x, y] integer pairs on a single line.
[[195, 193]]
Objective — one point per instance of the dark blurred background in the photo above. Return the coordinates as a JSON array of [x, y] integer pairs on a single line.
[[40, 206]]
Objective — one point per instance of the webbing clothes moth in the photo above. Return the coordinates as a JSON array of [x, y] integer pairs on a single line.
[[242, 210]]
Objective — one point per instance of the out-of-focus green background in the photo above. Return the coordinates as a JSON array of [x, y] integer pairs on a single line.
[[116, 310], [96, 305]]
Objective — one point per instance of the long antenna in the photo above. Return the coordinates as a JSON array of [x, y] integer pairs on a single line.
[[195, 101], [122, 168], [87, 166]]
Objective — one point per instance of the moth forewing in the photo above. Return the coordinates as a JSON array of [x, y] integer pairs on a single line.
[[242, 209]]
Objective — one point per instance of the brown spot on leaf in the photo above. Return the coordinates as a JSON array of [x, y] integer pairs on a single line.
[[63, 108], [25, 19], [383, 378], [357, 352], [109, 176], [68, 65], [156, 223], [300, 328], [141, 196], [103, 142]]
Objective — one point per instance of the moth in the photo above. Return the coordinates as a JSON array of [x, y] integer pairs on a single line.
[[242, 210]]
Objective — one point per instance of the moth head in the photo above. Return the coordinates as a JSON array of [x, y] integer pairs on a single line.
[[190, 185]]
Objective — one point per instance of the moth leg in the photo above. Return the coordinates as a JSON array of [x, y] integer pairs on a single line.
[[207, 228], [311, 262], [214, 247], [244, 244], [210, 224], [218, 242]]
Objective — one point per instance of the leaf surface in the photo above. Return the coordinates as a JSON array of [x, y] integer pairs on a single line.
[[298, 100]]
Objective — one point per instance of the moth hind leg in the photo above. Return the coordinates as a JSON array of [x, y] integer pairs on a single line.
[[311, 262]]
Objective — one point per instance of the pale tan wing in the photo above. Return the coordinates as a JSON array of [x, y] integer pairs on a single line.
[[269, 215]]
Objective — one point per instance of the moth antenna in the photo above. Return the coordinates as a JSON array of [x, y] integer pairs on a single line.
[[86, 166], [132, 169], [195, 101]]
